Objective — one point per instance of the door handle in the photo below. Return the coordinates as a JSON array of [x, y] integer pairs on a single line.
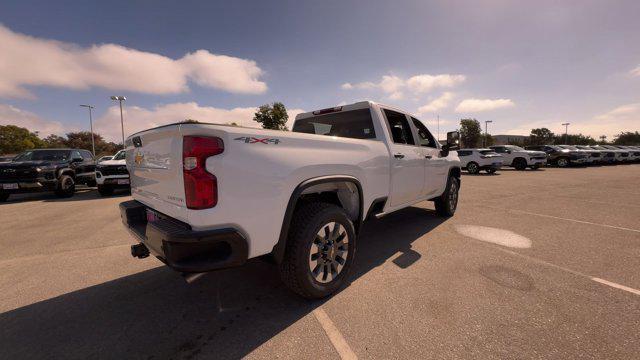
[[398, 156], [428, 156]]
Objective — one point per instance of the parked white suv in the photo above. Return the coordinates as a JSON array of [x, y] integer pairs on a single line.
[[112, 174], [211, 196], [520, 158], [474, 160]]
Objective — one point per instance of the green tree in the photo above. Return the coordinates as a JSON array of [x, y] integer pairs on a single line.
[[627, 138], [541, 136], [487, 140], [15, 139], [54, 141], [272, 116], [470, 133], [574, 139]]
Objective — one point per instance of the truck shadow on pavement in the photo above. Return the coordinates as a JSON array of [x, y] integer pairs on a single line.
[[155, 314]]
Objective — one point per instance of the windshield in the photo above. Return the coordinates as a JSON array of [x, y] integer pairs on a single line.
[[119, 155], [513, 147], [43, 155]]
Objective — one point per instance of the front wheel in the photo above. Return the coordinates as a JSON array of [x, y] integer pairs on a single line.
[[66, 186], [447, 203], [105, 190], [473, 168], [319, 251], [520, 164], [563, 162]]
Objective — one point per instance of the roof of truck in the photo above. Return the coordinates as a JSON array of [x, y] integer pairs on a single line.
[[353, 106]]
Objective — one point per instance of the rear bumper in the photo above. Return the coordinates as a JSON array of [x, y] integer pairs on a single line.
[[180, 247]]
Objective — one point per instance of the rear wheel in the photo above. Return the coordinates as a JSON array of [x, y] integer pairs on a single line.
[[320, 250], [562, 162], [105, 190], [66, 186], [4, 197], [473, 168], [520, 164], [447, 203]]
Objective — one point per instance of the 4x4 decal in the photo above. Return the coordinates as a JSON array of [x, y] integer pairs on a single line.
[[252, 140]]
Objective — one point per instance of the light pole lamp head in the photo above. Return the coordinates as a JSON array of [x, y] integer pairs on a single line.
[[87, 106], [118, 98]]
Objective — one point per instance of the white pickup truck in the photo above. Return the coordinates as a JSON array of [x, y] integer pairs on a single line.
[[210, 196]]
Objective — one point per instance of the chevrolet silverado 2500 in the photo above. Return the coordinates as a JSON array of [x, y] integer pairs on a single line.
[[209, 196]]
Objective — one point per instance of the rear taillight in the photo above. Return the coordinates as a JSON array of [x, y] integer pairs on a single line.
[[200, 186]]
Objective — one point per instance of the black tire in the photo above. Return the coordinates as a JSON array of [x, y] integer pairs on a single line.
[[491, 171], [4, 197], [105, 190], [66, 186], [447, 203], [562, 162], [520, 164], [473, 168], [295, 270]]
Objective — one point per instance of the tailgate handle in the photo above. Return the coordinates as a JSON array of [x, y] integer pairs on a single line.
[[428, 156], [398, 156]]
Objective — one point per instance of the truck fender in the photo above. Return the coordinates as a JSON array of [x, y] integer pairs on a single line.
[[279, 248]]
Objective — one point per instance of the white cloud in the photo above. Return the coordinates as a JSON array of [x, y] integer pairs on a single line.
[[10, 115], [478, 105], [138, 118], [28, 61], [425, 82], [394, 86], [635, 72], [436, 104]]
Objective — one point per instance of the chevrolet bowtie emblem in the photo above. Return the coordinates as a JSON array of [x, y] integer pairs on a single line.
[[138, 159]]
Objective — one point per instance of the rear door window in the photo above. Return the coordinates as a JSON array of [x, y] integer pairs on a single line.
[[355, 124], [399, 127]]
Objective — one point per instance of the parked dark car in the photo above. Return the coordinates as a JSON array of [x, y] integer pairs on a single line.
[[57, 170], [559, 156]]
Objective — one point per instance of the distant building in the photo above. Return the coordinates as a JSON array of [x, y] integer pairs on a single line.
[[509, 139]]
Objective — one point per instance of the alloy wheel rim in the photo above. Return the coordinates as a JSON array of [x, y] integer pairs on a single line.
[[472, 168], [453, 196], [328, 253]]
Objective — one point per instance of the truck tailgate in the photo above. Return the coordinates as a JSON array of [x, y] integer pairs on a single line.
[[154, 159]]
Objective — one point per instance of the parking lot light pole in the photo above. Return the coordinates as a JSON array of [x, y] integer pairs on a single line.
[[120, 99], [486, 133], [93, 144], [566, 133]]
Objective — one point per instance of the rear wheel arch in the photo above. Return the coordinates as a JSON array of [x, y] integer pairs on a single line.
[[343, 191]]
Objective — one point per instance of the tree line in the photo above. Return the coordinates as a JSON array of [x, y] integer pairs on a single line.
[[15, 139], [472, 136]]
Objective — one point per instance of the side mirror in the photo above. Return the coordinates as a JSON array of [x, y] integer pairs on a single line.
[[453, 140], [77, 159], [453, 143], [508, 151]]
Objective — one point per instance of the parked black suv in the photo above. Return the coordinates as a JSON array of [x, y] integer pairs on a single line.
[[559, 156], [57, 170]]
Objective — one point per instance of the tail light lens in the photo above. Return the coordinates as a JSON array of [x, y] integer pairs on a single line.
[[200, 186]]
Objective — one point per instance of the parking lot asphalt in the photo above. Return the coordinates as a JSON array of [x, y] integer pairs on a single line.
[[535, 264]]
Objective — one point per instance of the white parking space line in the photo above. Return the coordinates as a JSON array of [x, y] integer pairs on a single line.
[[577, 273], [617, 286], [338, 341], [574, 220]]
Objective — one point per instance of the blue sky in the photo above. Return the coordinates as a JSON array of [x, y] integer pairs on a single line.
[[521, 65]]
